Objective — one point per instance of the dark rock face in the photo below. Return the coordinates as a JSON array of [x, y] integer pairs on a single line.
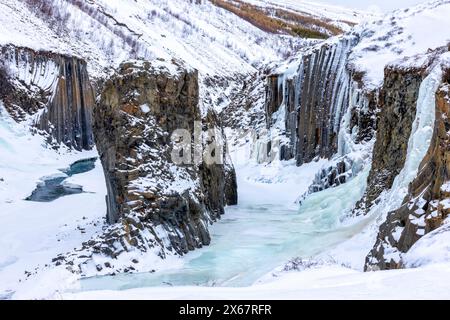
[[139, 109], [68, 117], [397, 100], [425, 207], [315, 99], [274, 96], [53, 88], [313, 102]]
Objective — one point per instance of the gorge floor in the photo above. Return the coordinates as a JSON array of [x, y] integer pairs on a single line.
[[264, 231]]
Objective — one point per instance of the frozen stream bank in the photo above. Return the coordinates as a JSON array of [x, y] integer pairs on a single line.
[[54, 187]]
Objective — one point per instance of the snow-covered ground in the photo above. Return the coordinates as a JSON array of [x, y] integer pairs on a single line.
[[324, 282], [33, 233]]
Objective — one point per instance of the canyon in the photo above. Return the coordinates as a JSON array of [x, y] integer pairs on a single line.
[[329, 142]]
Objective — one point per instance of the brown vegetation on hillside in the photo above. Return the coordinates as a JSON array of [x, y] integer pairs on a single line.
[[279, 20]]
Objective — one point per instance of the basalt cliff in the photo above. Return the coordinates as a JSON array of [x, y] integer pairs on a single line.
[[152, 202], [139, 109], [52, 91], [372, 102], [323, 105]]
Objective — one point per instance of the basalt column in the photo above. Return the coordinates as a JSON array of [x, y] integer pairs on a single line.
[[139, 109], [52, 89]]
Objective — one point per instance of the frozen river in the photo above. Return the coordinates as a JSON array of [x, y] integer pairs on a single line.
[[264, 231]]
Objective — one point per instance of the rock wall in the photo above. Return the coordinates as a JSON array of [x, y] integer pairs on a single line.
[[428, 201], [139, 109], [327, 113], [397, 102], [313, 101], [52, 89]]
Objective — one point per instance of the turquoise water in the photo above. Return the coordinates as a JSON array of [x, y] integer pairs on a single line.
[[53, 188]]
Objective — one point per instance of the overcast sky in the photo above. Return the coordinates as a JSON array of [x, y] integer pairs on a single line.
[[384, 5]]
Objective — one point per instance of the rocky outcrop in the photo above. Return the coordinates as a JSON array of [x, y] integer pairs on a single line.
[[314, 99], [151, 198], [397, 101], [325, 112], [331, 176], [428, 201], [53, 90]]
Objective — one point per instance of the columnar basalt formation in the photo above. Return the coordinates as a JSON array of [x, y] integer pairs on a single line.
[[314, 99], [148, 194], [427, 204], [68, 116], [51, 88], [326, 111], [397, 100]]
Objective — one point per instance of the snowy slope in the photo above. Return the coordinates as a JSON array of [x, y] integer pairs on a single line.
[[35, 232], [208, 38], [339, 16], [398, 36], [404, 38]]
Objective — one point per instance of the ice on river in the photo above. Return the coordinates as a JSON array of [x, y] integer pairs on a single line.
[[266, 229]]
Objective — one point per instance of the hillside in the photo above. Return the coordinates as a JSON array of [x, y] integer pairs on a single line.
[[213, 40], [301, 19]]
